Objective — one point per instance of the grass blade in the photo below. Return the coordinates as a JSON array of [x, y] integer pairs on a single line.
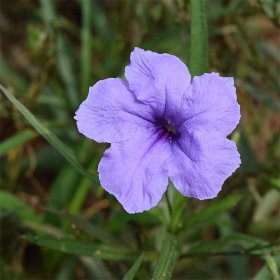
[[272, 266], [265, 272], [12, 203], [48, 12], [62, 191], [85, 73], [66, 72], [64, 65], [133, 270], [65, 151], [90, 229], [246, 244], [211, 211], [167, 259], [199, 38], [95, 268], [17, 140], [82, 248], [81, 191], [65, 185]]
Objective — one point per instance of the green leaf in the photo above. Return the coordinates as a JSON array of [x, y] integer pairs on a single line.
[[199, 39], [265, 272], [260, 96], [82, 191], [65, 151], [272, 266], [246, 239], [66, 72], [132, 272], [208, 247], [16, 140], [95, 268], [167, 259], [61, 192], [65, 186], [248, 156], [178, 208], [120, 221], [214, 209], [10, 75], [91, 230], [15, 204], [64, 65], [82, 248], [269, 204], [272, 10], [247, 243], [48, 12], [85, 63], [161, 212], [65, 269]]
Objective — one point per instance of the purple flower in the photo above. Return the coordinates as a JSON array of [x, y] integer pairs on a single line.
[[162, 125]]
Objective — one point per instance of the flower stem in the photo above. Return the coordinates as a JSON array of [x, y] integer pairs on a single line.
[[168, 204]]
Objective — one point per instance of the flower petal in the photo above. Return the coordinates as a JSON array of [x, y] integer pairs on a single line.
[[135, 171], [201, 163], [158, 79], [211, 105], [111, 113]]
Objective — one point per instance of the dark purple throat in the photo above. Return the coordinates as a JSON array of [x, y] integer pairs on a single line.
[[167, 129]]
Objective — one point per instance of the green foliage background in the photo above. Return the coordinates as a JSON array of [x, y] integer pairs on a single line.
[[56, 220]]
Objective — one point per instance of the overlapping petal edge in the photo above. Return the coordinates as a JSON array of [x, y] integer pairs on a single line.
[[162, 125]]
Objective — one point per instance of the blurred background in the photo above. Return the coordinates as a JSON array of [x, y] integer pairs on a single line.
[[51, 52]]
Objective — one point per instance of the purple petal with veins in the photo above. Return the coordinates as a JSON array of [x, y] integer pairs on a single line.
[[162, 125]]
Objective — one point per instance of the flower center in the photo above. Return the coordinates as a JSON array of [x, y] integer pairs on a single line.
[[167, 129]]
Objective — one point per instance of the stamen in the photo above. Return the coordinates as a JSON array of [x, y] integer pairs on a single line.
[[167, 129], [170, 128]]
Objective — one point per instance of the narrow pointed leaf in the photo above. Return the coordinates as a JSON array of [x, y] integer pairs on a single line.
[[66, 72], [65, 151], [90, 229], [133, 270], [64, 61], [167, 260], [247, 245], [265, 272], [16, 140], [199, 38], [85, 63], [12, 203], [211, 211], [272, 265], [82, 248]]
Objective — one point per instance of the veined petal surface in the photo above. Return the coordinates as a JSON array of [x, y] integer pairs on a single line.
[[211, 105], [162, 125], [135, 171], [157, 79], [111, 112], [201, 163]]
